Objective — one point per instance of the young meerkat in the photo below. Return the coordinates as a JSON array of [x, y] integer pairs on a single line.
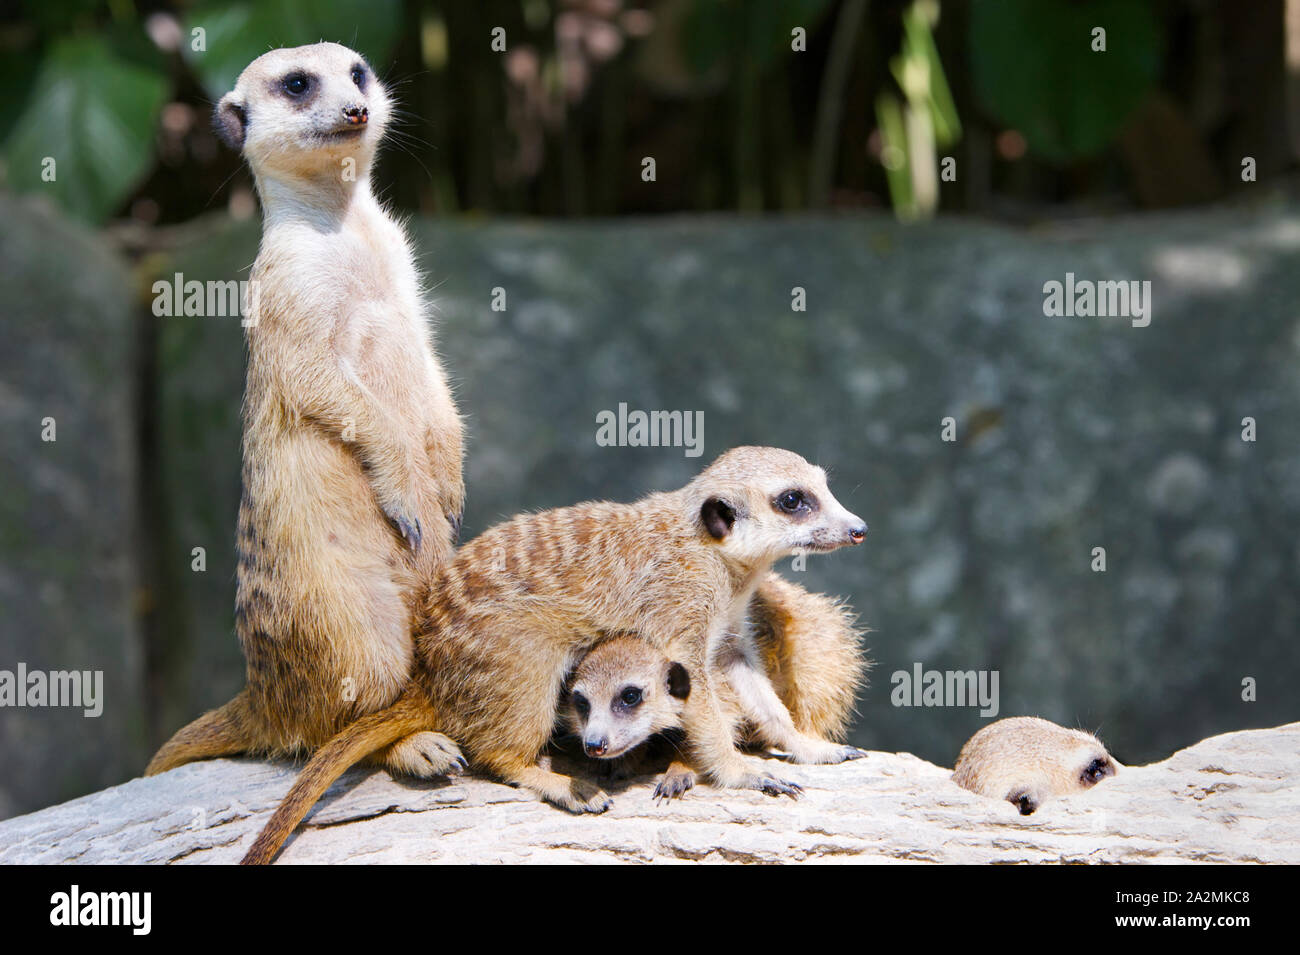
[[1026, 761], [613, 701], [622, 693], [352, 487], [519, 606]]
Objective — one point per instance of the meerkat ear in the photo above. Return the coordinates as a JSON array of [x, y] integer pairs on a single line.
[[679, 681], [229, 122], [718, 517]]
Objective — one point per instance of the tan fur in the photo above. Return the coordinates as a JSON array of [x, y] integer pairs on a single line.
[[1027, 761], [519, 606], [407, 719], [810, 653], [352, 485], [594, 706]]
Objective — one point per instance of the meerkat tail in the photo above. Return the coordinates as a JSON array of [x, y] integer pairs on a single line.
[[812, 651], [225, 731], [359, 740]]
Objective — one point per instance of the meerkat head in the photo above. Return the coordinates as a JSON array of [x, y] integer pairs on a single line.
[[299, 112], [1027, 761], [623, 692], [762, 504]]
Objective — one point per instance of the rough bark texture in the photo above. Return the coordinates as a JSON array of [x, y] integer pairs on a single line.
[[1231, 798]]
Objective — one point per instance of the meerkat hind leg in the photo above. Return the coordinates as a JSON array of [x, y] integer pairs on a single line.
[[424, 754], [773, 721]]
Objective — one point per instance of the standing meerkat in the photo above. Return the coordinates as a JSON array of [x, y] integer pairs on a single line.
[[516, 609], [352, 488], [1026, 761]]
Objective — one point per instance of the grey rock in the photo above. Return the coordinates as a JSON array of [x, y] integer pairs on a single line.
[[1229, 799], [68, 519]]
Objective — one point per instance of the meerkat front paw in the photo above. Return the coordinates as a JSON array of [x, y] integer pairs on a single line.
[[408, 525], [1025, 799], [770, 785], [674, 783], [426, 754], [584, 797]]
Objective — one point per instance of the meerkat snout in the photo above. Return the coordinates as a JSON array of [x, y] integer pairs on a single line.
[[356, 115]]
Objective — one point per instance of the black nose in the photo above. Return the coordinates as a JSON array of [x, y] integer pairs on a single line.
[[596, 747], [356, 115], [858, 534]]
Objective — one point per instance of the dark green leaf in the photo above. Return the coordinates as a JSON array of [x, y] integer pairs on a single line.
[[235, 34], [759, 28], [1035, 70], [93, 113]]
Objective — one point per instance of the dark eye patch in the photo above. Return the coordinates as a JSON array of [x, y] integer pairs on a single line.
[[297, 86], [296, 83], [1096, 771], [359, 76], [631, 696], [581, 705], [795, 501]]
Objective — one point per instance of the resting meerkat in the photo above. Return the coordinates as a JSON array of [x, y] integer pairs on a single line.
[[352, 487], [1026, 761], [829, 669], [520, 604]]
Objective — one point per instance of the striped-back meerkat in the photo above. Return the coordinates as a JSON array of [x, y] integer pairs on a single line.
[[352, 487], [518, 607], [1026, 761], [615, 698]]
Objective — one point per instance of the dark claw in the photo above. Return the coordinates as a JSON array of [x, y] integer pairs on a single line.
[[453, 521], [780, 787], [671, 788], [410, 530], [852, 752]]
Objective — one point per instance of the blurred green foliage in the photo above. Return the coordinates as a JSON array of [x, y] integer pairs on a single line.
[[1035, 68], [711, 33], [100, 83], [235, 34], [912, 132], [738, 114], [85, 132]]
